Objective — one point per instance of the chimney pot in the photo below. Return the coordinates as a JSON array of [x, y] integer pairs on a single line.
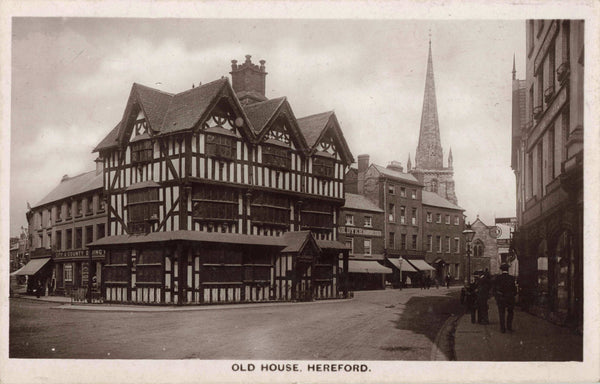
[[248, 58]]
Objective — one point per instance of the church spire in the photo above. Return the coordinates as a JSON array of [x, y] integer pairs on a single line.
[[429, 150], [450, 159], [514, 72], [408, 164]]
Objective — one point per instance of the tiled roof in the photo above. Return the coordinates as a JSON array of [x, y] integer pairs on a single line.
[[294, 240], [396, 175], [259, 114], [155, 104], [312, 126], [435, 200], [354, 201], [73, 186], [110, 140], [187, 107], [332, 244]]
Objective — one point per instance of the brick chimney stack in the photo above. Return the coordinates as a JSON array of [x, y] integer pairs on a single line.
[[395, 166], [363, 165], [248, 80]]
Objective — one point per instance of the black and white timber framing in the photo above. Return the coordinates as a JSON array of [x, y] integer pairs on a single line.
[[214, 199]]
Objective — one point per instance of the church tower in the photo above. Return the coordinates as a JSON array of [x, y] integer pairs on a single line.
[[429, 159]]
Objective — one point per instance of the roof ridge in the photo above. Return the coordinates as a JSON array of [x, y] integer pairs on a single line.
[[316, 114], [201, 86], [261, 103], [78, 175], [154, 89]]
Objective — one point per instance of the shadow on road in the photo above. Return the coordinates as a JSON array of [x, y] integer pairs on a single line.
[[426, 314]]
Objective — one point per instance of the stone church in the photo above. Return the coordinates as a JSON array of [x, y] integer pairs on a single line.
[[429, 162]]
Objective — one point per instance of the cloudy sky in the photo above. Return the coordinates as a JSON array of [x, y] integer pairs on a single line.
[[71, 78]]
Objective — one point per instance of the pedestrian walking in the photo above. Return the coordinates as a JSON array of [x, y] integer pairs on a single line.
[[483, 294], [468, 297], [448, 279], [505, 291]]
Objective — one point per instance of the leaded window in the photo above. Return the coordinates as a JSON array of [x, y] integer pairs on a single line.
[[272, 209], [141, 152], [142, 209], [276, 156], [215, 203], [317, 214], [323, 167], [221, 146]]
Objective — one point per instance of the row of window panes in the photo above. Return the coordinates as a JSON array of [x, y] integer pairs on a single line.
[[89, 237], [79, 209], [438, 240], [367, 250], [392, 191], [392, 241], [438, 218], [368, 220], [392, 215]]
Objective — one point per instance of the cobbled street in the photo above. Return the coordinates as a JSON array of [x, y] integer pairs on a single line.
[[375, 325]]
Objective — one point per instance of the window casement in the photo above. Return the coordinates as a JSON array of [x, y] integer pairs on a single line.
[[78, 238], [391, 240], [89, 234], [58, 241], [391, 213], [438, 218], [79, 207], [413, 218], [316, 215], [101, 204], [448, 244], [142, 209], [478, 248], [149, 266], [100, 231], [323, 166], [214, 203], [403, 241], [429, 243], [438, 240], [349, 219], [456, 220], [69, 210], [368, 221], [59, 213], [402, 192], [414, 241], [90, 205], [68, 272], [269, 208], [141, 152], [221, 146], [456, 245], [276, 156], [402, 215], [367, 246], [448, 219], [391, 189], [350, 244], [429, 217], [69, 239], [413, 193]]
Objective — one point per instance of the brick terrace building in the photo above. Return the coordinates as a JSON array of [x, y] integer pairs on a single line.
[[217, 194], [547, 157], [443, 223], [361, 229], [61, 225]]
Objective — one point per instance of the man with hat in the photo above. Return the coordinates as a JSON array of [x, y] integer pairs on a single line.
[[505, 298]]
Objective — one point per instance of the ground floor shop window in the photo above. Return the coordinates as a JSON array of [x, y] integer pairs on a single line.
[[68, 272]]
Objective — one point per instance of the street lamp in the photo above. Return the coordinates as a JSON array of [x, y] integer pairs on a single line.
[[400, 268], [469, 234]]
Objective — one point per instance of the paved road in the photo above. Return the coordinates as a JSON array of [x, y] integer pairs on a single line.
[[375, 325]]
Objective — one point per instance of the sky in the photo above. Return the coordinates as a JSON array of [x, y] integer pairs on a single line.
[[71, 78]]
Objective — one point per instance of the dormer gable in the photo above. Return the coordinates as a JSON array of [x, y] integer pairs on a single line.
[[324, 136]]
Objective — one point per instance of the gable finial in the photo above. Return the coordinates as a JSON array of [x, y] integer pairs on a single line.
[[429, 37], [514, 72]]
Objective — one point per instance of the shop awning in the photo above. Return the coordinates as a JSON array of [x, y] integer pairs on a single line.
[[366, 266], [32, 267], [421, 265], [406, 267], [503, 250]]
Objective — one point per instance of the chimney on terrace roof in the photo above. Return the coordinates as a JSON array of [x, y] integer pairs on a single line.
[[395, 166], [248, 80]]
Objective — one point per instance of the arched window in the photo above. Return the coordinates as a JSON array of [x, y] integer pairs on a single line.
[[478, 248]]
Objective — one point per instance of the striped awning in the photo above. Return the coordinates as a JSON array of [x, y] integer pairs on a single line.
[[32, 267], [421, 265], [366, 266], [405, 267]]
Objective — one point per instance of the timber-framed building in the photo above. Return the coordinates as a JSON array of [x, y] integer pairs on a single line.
[[218, 194]]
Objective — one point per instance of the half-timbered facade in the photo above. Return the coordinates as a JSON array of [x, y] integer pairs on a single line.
[[217, 194]]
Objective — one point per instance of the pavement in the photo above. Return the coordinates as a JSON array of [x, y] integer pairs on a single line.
[[533, 339]]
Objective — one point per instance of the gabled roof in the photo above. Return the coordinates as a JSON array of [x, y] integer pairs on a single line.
[[167, 113], [435, 200], [72, 186], [261, 113], [313, 128], [396, 175], [360, 202], [295, 241]]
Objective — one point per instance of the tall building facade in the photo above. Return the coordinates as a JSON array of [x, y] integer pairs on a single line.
[[218, 194], [429, 160], [547, 158]]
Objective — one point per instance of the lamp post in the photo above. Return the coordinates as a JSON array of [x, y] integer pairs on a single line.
[[469, 234], [400, 264]]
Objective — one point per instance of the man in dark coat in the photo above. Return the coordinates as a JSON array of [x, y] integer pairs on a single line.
[[505, 291], [468, 296], [483, 294]]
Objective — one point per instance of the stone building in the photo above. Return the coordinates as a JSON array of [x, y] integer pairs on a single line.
[[547, 158], [429, 167], [361, 229]]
